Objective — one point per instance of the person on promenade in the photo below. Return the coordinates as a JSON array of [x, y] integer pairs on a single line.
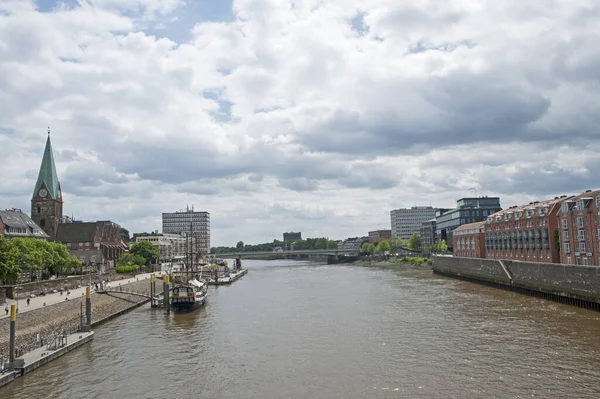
[[6, 309], [28, 300]]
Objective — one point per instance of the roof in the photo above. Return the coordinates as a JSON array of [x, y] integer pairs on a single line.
[[17, 219], [76, 232], [47, 175], [469, 226], [587, 195], [531, 206]]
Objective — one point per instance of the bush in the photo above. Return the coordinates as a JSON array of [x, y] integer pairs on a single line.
[[126, 268], [415, 260]]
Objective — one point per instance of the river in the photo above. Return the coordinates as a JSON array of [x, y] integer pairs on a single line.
[[297, 330]]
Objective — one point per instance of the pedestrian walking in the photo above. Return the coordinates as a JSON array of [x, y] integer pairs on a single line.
[[28, 300], [6, 309]]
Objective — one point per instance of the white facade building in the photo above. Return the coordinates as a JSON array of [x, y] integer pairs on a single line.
[[169, 245], [407, 221], [189, 222]]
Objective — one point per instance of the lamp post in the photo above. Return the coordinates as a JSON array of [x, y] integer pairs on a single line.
[[17, 289]]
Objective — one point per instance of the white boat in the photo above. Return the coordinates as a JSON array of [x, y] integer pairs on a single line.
[[189, 296]]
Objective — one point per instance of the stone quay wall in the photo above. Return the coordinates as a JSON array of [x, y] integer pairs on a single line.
[[47, 286], [572, 281], [51, 320]]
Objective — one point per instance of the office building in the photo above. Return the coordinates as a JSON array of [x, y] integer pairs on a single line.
[[468, 210], [189, 222], [407, 221]]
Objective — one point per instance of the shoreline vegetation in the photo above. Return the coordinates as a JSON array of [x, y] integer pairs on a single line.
[[407, 262]]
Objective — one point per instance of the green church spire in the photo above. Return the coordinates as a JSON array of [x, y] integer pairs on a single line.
[[47, 175]]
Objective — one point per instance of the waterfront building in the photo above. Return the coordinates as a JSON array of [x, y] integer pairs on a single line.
[[47, 202], [355, 243], [407, 221], [169, 245], [292, 236], [189, 222], [96, 244], [428, 236], [468, 210], [525, 232], [469, 240], [579, 229], [375, 236], [14, 224]]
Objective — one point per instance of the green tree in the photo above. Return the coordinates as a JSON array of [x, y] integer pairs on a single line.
[[383, 246], [400, 243], [372, 248], [240, 244], [439, 246], [129, 259], [364, 248], [414, 243], [146, 250]]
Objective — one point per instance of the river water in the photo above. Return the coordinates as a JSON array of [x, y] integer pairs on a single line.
[[298, 330]]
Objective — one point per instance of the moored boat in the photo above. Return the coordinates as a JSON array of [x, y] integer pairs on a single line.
[[189, 296]]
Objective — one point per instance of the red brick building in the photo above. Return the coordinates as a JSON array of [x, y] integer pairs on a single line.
[[469, 240], [375, 236], [579, 229], [526, 233]]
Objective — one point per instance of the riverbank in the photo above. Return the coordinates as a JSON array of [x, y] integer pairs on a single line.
[[50, 320], [392, 264]]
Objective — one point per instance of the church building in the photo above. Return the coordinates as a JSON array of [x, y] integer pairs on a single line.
[[95, 244]]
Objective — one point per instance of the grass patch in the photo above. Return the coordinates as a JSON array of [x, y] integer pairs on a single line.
[[413, 260], [126, 269]]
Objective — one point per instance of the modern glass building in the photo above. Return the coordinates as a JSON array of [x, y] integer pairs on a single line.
[[468, 210]]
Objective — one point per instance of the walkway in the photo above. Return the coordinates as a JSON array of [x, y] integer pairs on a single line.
[[52, 299]]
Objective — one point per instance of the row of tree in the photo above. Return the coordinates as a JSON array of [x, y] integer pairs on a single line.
[[31, 254], [140, 254], [414, 243], [309, 243]]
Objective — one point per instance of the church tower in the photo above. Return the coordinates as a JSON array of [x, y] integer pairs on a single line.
[[47, 203]]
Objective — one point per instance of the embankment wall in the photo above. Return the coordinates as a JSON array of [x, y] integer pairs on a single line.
[[572, 281]]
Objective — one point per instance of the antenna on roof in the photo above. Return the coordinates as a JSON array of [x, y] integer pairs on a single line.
[[48, 130]]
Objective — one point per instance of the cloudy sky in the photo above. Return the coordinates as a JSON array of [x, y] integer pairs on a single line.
[[297, 115]]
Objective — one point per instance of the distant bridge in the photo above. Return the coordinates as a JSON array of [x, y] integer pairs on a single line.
[[324, 252]]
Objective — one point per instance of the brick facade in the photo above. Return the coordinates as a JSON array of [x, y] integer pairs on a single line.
[[469, 240], [525, 232], [375, 236], [579, 229]]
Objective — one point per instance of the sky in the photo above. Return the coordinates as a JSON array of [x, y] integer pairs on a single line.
[[317, 116]]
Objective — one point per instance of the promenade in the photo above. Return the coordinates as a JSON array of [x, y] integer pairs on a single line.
[[54, 298]]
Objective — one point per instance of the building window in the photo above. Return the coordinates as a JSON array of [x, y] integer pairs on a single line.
[[565, 224], [567, 248], [566, 235], [579, 222], [564, 207], [580, 205], [580, 235], [569, 260], [585, 260], [39, 210], [598, 206], [582, 247]]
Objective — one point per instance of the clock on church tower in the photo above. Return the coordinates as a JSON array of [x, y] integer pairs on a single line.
[[47, 203]]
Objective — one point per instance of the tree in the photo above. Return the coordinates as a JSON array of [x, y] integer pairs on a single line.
[[439, 246], [372, 248], [364, 248], [146, 250], [384, 246], [400, 243], [240, 244], [414, 243], [130, 259]]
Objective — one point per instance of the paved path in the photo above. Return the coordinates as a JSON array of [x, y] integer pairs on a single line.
[[52, 299]]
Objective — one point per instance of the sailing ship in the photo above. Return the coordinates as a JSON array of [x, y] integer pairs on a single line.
[[191, 289]]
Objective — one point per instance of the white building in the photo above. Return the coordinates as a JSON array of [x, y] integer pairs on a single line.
[[407, 221], [169, 245], [189, 222]]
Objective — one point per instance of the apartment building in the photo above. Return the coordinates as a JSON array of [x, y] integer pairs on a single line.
[[189, 222], [525, 233], [469, 240], [407, 221], [377, 235], [579, 229]]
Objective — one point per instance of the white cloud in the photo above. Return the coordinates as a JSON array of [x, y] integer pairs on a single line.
[[288, 118]]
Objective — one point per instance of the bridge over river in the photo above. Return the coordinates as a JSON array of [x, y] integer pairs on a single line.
[[331, 254]]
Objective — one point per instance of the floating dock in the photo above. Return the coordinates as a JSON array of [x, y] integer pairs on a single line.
[[229, 279], [40, 356]]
